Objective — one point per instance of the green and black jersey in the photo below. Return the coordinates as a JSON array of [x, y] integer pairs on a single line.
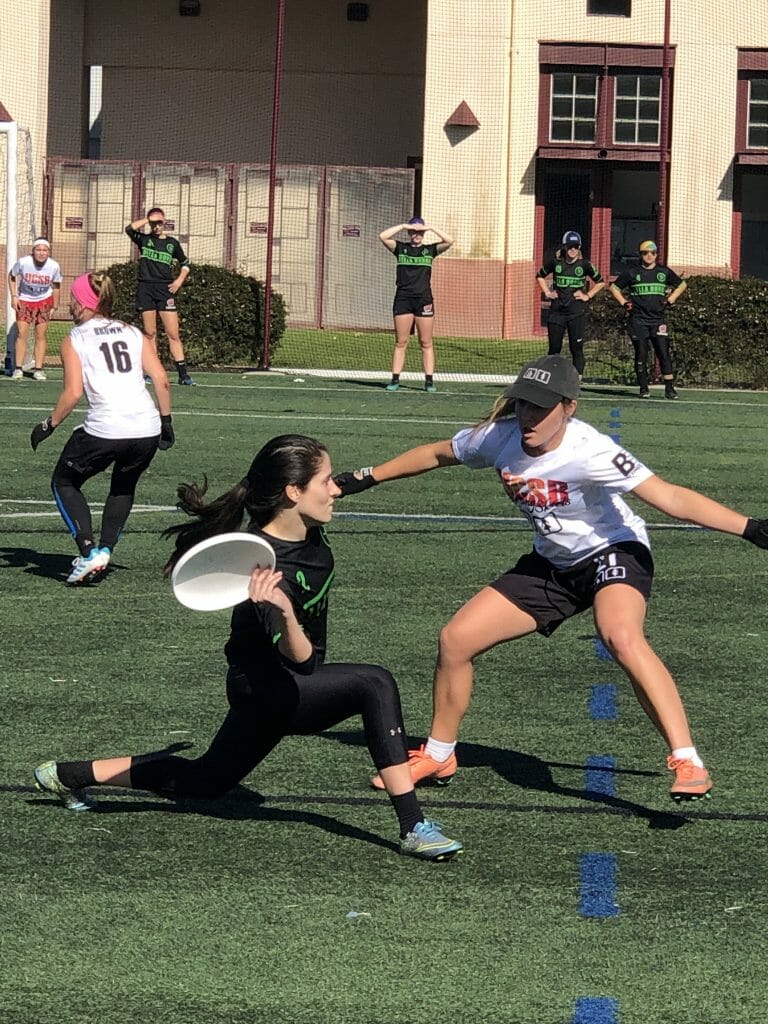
[[568, 278], [414, 268], [307, 568], [648, 288], [156, 256]]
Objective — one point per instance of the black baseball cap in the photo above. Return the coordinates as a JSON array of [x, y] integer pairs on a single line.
[[545, 382]]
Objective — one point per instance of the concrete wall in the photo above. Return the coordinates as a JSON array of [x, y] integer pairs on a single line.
[[200, 89], [24, 86]]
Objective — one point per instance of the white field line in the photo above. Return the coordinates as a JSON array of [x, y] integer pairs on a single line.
[[510, 521]]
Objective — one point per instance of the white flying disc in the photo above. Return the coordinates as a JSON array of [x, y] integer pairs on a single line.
[[215, 573]]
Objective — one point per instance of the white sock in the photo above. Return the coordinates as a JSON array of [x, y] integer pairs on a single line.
[[438, 750], [688, 754]]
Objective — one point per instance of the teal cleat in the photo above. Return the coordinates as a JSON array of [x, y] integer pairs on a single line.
[[47, 781], [428, 843]]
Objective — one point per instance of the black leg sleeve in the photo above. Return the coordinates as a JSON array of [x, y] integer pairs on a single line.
[[576, 342], [555, 335], [661, 348]]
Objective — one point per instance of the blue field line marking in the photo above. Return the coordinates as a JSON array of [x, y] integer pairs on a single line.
[[600, 775], [602, 702], [593, 1010], [597, 886], [601, 650]]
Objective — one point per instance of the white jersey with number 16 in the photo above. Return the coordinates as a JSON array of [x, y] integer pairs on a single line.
[[113, 378]]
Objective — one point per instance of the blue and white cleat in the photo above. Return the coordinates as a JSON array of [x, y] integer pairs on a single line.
[[84, 569], [428, 842], [47, 781]]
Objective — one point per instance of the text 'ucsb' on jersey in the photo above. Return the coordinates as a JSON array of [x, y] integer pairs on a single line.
[[572, 496]]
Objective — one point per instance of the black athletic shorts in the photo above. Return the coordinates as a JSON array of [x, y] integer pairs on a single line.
[[553, 595], [416, 305], [642, 330], [86, 455], [151, 295]]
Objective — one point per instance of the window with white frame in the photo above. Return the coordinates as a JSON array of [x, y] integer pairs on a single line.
[[637, 110], [573, 114], [757, 123]]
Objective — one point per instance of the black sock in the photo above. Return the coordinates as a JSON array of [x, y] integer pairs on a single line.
[[408, 811], [85, 544], [75, 774], [181, 366], [428, 379]]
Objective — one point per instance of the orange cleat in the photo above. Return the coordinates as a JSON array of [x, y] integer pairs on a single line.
[[691, 783], [425, 769]]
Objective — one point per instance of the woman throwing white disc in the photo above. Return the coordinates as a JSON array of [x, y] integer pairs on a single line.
[[590, 550], [277, 684]]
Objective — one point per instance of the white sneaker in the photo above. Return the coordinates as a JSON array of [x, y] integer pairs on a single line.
[[39, 375], [17, 374], [85, 568]]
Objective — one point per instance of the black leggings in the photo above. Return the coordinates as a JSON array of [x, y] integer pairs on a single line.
[[642, 336], [82, 457], [263, 711], [556, 331]]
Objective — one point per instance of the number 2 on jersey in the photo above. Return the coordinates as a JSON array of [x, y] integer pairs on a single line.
[[116, 356]]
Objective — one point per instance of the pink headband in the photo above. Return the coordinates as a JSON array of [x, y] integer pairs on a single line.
[[83, 293]]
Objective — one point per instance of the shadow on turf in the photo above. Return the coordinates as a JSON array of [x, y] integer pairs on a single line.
[[49, 566], [240, 804], [529, 772]]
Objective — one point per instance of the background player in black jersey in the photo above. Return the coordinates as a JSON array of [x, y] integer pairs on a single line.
[[569, 291], [159, 254], [277, 683], [646, 292], [413, 297]]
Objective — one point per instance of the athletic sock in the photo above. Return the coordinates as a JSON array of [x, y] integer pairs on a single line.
[[428, 379], [395, 378], [181, 367], [688, 754], [438, 750], [75, 774], [408, 811]]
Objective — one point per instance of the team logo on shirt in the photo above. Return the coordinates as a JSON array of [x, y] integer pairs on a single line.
[[535, 493]]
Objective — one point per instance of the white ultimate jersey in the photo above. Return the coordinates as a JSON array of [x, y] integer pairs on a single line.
[[35, 284], [571, 496], [119, 404]]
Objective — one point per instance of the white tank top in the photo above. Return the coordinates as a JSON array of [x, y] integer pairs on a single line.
[[113, 378]]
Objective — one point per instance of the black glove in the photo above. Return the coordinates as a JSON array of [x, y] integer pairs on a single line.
[[40, 432], [756, 532], [628, 307], [167, 436], [354, 483]]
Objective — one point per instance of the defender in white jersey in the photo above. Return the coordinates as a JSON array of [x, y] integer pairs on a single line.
[[590, 550], [106, 360]]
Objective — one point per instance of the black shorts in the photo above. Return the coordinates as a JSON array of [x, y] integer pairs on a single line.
[[155, 295], [415, 305], [85, 455], [553, 595], [642, 330]]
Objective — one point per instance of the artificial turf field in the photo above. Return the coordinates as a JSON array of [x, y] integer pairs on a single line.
[[584, 894]]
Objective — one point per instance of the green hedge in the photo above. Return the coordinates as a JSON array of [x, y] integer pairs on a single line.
[[221, 315], [716, 328]]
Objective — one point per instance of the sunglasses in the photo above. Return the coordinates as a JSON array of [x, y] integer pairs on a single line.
[[154, 223], [646, 252]]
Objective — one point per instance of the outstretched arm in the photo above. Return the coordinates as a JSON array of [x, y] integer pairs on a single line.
[[411, 463], [690, 506]]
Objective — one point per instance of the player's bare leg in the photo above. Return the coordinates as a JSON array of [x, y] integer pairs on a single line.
[[425, 326]]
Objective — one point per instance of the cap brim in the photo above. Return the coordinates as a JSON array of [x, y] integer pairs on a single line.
[[534, 393]]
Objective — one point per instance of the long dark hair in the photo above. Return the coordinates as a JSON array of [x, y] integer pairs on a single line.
[[284, 460]]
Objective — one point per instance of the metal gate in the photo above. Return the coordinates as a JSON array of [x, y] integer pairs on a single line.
[[327, 260]]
